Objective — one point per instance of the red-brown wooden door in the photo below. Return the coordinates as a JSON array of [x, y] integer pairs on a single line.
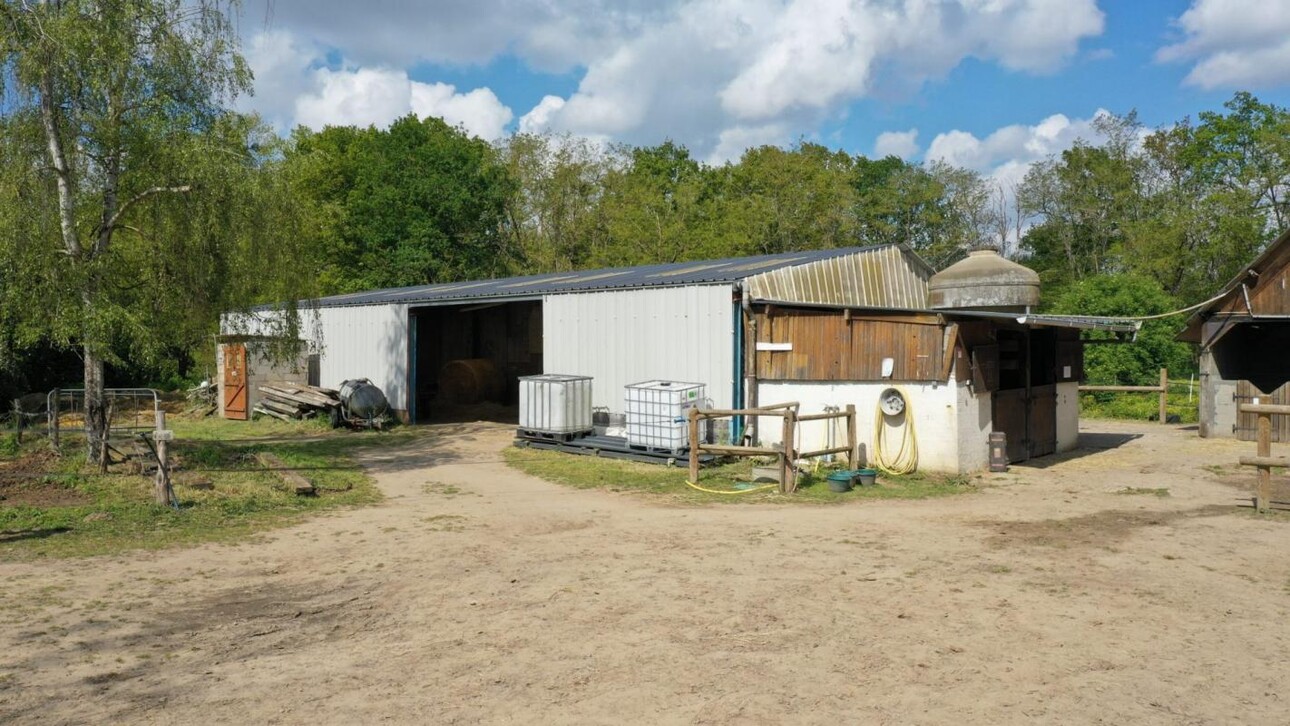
[[234, 386]]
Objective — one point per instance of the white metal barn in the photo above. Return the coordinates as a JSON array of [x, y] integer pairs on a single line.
[[678, 321], [822, 328]]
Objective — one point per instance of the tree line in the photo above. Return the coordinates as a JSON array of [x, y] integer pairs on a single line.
[[136, 204]]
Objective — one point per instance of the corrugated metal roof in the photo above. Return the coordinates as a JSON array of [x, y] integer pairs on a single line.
[[885, 277], [531, 286]]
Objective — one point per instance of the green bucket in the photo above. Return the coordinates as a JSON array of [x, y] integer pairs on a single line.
[[840, 481]]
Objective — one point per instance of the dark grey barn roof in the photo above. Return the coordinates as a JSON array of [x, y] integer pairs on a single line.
[[530, 286]]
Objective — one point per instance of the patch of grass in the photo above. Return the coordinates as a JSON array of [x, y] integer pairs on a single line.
[[1140, 406], [587, 472], [117, 512], [445, 523], [1144, 491], [445, 490]]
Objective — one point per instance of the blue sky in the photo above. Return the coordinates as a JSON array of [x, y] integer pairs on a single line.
[[990, 84]]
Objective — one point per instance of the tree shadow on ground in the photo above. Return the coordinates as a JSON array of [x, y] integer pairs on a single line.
[[24, 534]]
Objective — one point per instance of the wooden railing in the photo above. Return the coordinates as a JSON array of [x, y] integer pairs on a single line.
[[787, 453], [1162, 388], [1264, 459]]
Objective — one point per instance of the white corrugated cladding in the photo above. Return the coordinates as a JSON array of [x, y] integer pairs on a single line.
[[629, 336], [368, 341]]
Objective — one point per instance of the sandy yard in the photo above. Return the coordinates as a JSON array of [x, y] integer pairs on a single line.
[[476, 594]]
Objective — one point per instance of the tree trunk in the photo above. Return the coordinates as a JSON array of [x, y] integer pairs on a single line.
[[96, 423]]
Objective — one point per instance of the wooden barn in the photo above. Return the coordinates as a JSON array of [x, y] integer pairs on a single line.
[[1244, 336], [972, 362]]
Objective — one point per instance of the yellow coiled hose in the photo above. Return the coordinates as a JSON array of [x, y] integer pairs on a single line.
[[906, 459]]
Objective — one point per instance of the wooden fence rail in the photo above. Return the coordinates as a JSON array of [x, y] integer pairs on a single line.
[[1264, 459], [787, 453], [1161, 388]]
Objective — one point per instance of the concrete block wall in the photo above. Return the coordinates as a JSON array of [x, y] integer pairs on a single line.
[[1218, 414], [951, 433], [261, 369]]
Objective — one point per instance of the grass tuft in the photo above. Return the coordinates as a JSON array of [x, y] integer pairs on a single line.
[[588, 472], [61, 507], [1144, 491]]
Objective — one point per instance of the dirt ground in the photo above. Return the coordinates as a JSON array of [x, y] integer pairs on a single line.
[[476, 594]]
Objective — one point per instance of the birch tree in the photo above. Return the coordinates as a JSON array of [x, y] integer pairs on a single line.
[[116, 91]]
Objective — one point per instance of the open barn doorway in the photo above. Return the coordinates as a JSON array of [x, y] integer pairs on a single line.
[[466, 360]]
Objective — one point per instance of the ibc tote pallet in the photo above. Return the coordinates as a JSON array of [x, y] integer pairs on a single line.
[[531, 435], [610, 447]]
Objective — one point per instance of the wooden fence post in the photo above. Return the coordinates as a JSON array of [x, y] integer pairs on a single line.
[[694, 445], [161, 485], [788, 478], [18, 419], [1263, 495], [853, 451], [53, 414], [105, 446], [1164, 395]]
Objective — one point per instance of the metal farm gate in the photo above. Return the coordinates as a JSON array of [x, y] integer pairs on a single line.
[[1247, 423]]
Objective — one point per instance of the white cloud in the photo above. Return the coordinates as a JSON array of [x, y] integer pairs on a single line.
[[552, 36], [538, 119], [734, 141], [1007, 153], [1233, 43], [716, 68], [281, 63], [896, 143], [478, 111], [816, 52], [359, 97], [293, 87], [703, 72]]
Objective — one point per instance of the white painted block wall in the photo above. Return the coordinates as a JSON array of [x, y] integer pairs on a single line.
[[947, 421], [1067, 416], [952, 423]]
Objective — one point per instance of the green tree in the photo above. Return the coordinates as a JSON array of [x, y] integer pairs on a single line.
[[1127, 295], [417, 203], [118, 90], [553, 213], [657, 205], [1247, 150], [1195, 234], [791, 199]]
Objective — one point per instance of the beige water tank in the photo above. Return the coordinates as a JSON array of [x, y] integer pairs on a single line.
[[984, 280]]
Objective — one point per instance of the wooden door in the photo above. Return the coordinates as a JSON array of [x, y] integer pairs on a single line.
[[1009, 411], [1042, 435], [234, 384], [1246, 423]]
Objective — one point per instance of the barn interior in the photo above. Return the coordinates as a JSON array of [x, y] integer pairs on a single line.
[[466, 360]]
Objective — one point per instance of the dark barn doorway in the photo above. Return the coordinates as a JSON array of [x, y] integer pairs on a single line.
[[1025, 402], [465, 360]]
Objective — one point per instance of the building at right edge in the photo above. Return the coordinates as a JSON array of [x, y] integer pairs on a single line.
[[1244, 339]]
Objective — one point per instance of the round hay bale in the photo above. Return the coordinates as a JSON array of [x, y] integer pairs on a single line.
[[470, 380]]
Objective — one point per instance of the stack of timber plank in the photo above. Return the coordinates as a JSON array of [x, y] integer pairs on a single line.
[[295, 401]]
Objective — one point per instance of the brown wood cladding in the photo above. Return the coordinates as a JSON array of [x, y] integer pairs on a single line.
[[1269, 291], [829, 345]]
